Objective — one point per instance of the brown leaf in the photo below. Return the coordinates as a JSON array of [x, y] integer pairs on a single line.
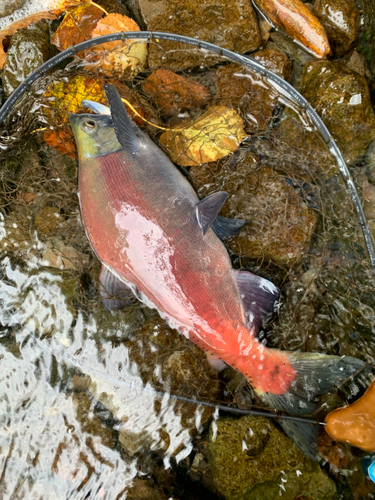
[[77, 25], [25, 16], [117, 57], [62, 139], [172, 92]]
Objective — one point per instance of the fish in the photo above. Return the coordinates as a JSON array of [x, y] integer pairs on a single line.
[[154, 236]]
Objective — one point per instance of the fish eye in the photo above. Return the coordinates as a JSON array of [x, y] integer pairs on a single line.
[[89, 126]]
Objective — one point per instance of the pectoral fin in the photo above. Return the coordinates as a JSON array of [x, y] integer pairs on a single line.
[[259, 297], [114, 293], [208, 208], [226, 228]]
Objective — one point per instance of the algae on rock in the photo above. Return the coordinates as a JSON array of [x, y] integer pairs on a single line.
[[342, 99], [249, 459]]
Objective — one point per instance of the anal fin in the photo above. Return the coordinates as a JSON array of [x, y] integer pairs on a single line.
[[114, 293], [259, 298]]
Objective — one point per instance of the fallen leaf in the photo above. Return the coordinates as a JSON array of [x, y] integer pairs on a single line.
[[30, 13], [172, 93], [61, 139], [119, 57], [63, 98], [216, 133], [77, 25]]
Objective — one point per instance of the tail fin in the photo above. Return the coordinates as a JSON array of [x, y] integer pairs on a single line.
[[316, 374]]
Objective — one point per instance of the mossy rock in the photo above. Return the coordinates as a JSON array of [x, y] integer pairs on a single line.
[[30, 48], [280, 223], [341, 97], [250, 459]]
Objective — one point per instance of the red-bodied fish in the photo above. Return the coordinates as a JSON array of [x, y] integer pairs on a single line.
[[152, 234]]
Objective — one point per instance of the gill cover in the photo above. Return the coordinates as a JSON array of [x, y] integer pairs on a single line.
[[94, 135]]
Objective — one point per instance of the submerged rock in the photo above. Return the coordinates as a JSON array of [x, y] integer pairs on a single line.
[[342, 99], [250, 459], [232, 25], [29, 48], [341, 21], [280, 223], [161, 360], [242, 88]]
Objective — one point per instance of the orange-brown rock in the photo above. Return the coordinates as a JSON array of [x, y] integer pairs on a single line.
[[172, 93], [355, 424], [296, 20]]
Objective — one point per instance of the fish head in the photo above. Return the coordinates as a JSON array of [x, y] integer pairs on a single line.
[[94, 134]]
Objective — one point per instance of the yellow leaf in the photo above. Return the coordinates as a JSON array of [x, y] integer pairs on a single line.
[[120, 57], [216, 133], [63, 98]]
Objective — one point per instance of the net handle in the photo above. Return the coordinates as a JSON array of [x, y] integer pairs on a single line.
[[283, 86]]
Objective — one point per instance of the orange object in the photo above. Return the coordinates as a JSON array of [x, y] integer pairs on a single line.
[[296, 20], [355, 424]]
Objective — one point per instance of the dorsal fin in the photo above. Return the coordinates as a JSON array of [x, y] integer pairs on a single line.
[[124, 129], [207, 209], [259, 297], [114, 293]]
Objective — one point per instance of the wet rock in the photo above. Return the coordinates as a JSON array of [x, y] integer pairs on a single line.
[[143, 490], [293, 51], [341, 21], [172, 93], [241, 88], [184, 369], [250, 459], [297, 55], [296, 20], [366, 39], [29, 48], [90, 422], [275, 60], [61, 256], [232, 25], [8, 7], [166, 362], [296, 136], [342, 99], [356, 62], [368, 194], [47, 220], [265, 28], [280, 224]]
